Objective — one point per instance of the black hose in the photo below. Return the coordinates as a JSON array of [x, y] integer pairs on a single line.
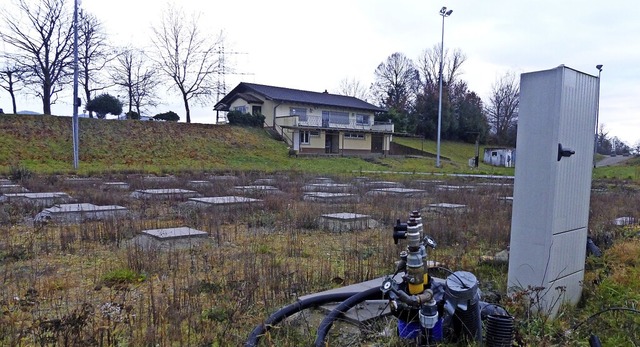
[[289, 310], [337, 312]]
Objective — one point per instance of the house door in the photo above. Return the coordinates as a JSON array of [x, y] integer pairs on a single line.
[[331, 142], [377, 142]]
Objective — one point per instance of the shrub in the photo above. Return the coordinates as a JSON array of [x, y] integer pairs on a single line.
[[167, 116], [122, 277], [19, 173], [103, 104], [132, 115], [245, 119]]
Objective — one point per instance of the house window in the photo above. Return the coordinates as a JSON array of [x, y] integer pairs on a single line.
[[362, 119], [256, 110], [359, 136], [241, 109], [300, 112], [304, 137], [336, 117]]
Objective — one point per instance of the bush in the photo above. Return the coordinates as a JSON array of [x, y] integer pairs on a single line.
[[167, 116], [132, 115], [245, 119], [103, 104]]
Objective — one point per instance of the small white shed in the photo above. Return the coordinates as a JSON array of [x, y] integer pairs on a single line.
[[500, 156]]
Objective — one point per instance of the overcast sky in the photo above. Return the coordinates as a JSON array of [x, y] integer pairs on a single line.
[[314, 45]]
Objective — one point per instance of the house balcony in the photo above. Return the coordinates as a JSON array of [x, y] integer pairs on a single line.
[[352, 124]]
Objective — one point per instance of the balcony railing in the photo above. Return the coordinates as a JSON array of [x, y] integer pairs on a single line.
[[320, 122]]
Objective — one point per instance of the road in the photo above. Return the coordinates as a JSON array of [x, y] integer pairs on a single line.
[[609, 161]]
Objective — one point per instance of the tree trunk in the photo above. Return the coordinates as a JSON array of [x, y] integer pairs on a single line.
[[186, 107], [46, 98]]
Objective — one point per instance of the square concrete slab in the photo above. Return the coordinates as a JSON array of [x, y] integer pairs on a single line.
[[444, 187], [12, 188], [224, 178], [265, 181], [321, 180], [327, 187], [257, 189], [397, 192], [174, 233], [169, 239], [345, 221], [199, 184], [115, 186], [328, 197], [38, 199], [224, 202], [158, 179], [77, 213], [383, 184], [165, 194], [446, 207], [80, 181]]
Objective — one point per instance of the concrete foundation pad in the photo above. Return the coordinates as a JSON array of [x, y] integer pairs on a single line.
[[78, 213], [115, 186], [175, 233], [330, 197], [346, 221], [383, 184], [169, 239], [80, 181], [444, 187], [321, 180], [164, 194], [257, 189], [159, 179], [38, 199], [328, 187], [265, 182], [199, 184], [446, 207], [224, 202], [224, 178], [397, 192], [12, 188]]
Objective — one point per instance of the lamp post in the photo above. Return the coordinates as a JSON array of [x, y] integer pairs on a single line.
[[595, 147], [75, 125], [444, 13]]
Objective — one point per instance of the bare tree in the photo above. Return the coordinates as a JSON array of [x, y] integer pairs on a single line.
[[11, 81], [353, 87], [502, 111], [93, 55], [187, 55], [395, 81], [40, 32], [136, 78], [429, 66]]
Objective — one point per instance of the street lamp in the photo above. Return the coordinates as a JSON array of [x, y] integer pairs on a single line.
[[595, 147], [444, 13]]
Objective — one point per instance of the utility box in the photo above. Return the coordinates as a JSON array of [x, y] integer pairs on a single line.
[[556, 129]]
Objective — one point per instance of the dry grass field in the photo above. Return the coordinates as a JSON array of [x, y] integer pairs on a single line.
[[85, 284]]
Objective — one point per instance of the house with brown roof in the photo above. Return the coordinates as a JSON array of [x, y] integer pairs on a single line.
[[314, 122]]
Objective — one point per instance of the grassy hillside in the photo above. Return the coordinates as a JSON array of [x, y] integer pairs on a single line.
[[43, 144]]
